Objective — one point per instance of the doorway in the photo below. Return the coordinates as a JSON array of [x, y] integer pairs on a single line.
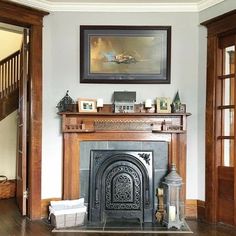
[[32, 19], [11, 40]]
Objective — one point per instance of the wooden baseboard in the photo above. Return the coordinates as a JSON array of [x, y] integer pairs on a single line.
[[45, 204], [201, 210], [194, 209], [191, 208]]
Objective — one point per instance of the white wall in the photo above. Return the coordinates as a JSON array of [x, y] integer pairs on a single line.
[[61, 72], [8, 137]]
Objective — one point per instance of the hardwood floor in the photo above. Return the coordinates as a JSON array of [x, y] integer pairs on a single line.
[[12, 224]]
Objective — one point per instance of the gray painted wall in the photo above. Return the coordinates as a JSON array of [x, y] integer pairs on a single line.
[[61, 72]]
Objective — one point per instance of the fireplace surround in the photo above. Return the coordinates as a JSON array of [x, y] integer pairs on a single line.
[[109, 127]]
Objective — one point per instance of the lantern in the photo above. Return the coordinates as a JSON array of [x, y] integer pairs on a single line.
[[173, 202], [66, 103]]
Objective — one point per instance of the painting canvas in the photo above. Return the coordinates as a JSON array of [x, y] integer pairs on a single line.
[[124, 54]]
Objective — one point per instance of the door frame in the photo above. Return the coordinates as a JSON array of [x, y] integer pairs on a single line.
[[216, 27], [32, 19]]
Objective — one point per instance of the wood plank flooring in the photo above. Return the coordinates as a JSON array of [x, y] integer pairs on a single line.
[[12, 224]]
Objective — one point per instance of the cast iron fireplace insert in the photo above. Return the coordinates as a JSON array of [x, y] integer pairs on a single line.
[[121, 185]]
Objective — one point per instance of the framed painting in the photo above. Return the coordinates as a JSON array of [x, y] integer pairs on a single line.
[[125, 54]]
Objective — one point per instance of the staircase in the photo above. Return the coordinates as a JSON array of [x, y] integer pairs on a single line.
[[9, 84]]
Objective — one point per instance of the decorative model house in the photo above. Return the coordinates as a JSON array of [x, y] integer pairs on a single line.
[[124, 102]]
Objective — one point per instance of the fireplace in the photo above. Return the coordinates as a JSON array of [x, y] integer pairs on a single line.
[[105, 131], [121, 185]]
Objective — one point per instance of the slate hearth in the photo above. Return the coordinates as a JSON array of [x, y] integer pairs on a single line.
[[160, 160], [128, 226]]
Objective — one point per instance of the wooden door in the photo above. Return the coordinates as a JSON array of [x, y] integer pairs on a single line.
[[225, 125], [21, 192]]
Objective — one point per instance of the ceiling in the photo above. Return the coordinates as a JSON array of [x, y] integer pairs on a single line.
[[121, 5], [127, 1]]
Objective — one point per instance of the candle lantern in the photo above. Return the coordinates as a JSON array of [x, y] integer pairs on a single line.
[[173, 201], [66, 103]]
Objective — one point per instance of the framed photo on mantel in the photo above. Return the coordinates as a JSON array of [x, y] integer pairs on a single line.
[[125, 54]]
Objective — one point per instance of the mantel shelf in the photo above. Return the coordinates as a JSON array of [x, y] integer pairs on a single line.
[[122, 114]]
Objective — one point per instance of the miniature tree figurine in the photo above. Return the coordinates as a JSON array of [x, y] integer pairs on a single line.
[[175, 106]]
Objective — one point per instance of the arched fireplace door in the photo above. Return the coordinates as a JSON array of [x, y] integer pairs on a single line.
[[121, 185]]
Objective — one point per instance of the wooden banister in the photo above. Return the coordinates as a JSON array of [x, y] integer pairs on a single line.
[[9, 74]]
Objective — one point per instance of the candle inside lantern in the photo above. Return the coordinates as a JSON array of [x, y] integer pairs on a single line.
[[148, 103], [172, 212], [99, 102]]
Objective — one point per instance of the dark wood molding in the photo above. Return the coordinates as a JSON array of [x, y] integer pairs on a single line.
[[23, 16], [222, 24], [217, 28], [201, 209]]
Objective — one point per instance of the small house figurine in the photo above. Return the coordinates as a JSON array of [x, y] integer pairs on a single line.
[[176, 104], [124, 102], [66, 103]]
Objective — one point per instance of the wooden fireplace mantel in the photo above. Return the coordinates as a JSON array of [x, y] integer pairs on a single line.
[[108, 126]]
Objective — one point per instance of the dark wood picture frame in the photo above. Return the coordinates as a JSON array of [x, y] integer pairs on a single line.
[[125, 54]]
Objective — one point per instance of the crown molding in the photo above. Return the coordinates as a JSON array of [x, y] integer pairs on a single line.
[[204, 4], [118, 7]]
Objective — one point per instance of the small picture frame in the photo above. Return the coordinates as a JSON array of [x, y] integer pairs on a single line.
[[87, 105], [182, 108], [163, 105]]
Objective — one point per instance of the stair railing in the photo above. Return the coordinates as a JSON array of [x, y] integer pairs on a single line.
[[9, 74]]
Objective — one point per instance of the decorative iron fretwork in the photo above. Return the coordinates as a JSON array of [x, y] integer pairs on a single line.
[[123, 189], [146, 157], [121, 185]]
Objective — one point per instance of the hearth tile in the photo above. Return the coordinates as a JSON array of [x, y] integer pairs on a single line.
[[85, 147], [160, 152], [84, 184], [122, 224], [121, 145]]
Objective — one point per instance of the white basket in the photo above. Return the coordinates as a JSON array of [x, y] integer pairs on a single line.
[[67, 213]]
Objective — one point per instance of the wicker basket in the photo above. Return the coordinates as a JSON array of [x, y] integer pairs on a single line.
[[7, 187]]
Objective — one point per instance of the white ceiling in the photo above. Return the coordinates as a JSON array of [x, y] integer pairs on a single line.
[[121, 5], [126, 1]]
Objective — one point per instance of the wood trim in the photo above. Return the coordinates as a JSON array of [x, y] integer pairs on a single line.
[[195, 209], [35, 122], [201, 210], [217, 28], [45, 204], [20, 15], [191, 208], [221, 24]]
